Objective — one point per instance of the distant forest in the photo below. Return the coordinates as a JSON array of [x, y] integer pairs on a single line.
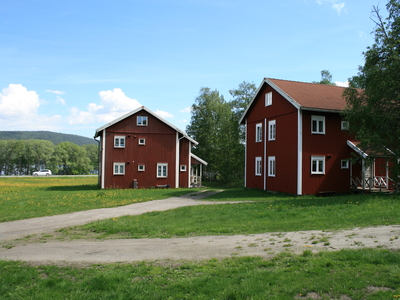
[[54, 137]]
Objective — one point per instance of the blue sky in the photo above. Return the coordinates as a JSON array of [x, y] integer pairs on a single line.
[[73, 66]]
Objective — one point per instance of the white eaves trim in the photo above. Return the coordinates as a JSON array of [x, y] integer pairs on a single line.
[[277, 89], [199, 159], [357, 150], [151, 113]]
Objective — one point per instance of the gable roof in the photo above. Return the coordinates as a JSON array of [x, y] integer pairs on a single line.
[[307, 96], [149, 112]]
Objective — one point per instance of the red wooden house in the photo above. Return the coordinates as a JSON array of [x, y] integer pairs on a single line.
[[142, 150], [297, 142]]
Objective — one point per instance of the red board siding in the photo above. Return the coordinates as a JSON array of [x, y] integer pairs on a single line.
[[160, 147], [283, 148], [333, 146]]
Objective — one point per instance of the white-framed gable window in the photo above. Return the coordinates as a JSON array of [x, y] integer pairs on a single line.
[[258, 132], [344, 164], [272, 130], [142, 121], [268, 99], [317, 164], [162, 170], [141, 168], [318, 124], [344, 125], [119, 141], [258, 166], [119, 169], [142, 141], [183, 168], [271, 166]]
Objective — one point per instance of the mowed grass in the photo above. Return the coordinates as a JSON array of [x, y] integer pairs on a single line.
[[29, 197], [346, 274], [269, 213]]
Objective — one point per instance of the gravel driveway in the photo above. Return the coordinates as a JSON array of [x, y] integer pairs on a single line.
[[193, 248]]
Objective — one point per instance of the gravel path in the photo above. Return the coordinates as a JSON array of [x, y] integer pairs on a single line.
[[193, 248]]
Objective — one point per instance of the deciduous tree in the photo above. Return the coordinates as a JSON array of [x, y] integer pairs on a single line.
[[374, 112]]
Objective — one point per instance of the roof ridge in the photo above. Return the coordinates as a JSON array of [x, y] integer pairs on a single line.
[[312, 83]]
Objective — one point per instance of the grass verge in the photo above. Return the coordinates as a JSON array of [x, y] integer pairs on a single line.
[[30, 197], [273, 213], [346, 274]]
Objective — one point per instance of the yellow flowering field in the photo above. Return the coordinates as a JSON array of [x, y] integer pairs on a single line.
[[29, 197]]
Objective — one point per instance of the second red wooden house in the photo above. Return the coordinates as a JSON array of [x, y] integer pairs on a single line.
[[142, 150], [298, 143]]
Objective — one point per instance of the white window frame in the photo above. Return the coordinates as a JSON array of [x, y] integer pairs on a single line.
[[117, 141], [344, 125], [258, 170], [316, 163], [272, 130], [141, 168], [118, 168], [319, 122], [268, 99], [271, 166], [183, 168], [142, 142], [162, 170], [344, 164], [258, 132], [142, 120]]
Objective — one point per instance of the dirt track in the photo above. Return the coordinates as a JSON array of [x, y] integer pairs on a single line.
[[193, 248]]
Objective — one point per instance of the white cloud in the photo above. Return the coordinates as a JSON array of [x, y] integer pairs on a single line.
[[339, 7], [342, 84], [186, 110], [183, 121], [60, 100], [163, 114], [55, 92], [16, 102], [19, 110], [113, 104]]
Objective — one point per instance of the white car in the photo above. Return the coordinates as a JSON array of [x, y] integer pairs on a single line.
[[43, 172]]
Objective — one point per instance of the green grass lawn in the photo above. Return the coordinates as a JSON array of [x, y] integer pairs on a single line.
[[350, 274], [346, 274], [269, 213], [29, 197]]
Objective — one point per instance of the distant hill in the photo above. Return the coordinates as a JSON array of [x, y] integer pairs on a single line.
[[54, 137]]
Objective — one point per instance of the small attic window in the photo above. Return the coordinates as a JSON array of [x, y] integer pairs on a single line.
[[142, 120], [268, 99]]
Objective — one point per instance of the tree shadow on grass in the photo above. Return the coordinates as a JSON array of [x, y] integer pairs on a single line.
[[74, 188]]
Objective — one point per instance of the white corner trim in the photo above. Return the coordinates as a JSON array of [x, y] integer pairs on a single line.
[[103, 159], [299, 152]]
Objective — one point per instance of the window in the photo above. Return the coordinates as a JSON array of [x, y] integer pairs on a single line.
[[318, 124], [162, 170], [317, 164], [271, 166], [141, 168], [345, 125], [119, 168], [344, 163], [142, 142], [268, 99], [183, 168], [142, 120], [259, 132], [119, 141], [258, 166], [272, 130]]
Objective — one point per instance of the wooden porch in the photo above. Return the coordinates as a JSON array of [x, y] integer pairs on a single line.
[[381, 184]]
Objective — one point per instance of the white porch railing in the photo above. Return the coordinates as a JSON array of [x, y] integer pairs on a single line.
[[380, 182], [195, 181]]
